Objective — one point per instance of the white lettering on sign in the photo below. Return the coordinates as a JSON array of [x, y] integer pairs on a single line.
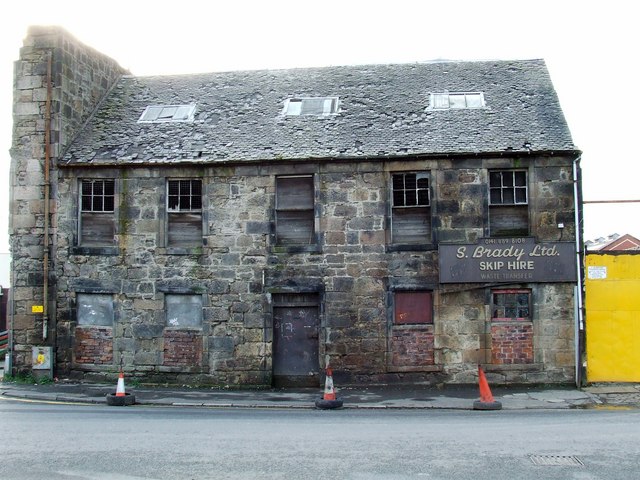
[[509, 252]]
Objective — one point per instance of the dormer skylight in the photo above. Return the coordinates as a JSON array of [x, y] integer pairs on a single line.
[[456, 100], [319, 106], [168, 113]]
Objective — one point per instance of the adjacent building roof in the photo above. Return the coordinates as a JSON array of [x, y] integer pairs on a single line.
[[613, 242], [382, 111]]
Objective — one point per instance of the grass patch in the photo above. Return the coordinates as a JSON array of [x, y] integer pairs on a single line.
[[26, 379]]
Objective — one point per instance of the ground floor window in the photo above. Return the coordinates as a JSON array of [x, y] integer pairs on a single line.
[[95, 309], [184, 310], [511, 327], [511, 305], [413, 307]]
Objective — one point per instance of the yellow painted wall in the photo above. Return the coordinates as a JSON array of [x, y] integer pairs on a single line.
[[612, 309]]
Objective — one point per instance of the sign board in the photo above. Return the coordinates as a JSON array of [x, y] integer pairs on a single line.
[[516, 259], [596, 273], [37, 308]]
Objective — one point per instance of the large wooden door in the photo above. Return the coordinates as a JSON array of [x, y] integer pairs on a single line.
[[295, 340]]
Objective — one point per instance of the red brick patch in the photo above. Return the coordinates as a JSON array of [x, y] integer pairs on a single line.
[[511, 343], [94, 345], [412, 348], [182, 348]]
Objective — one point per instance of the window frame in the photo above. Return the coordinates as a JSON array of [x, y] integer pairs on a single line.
[[515, 292], [415, 205], [426, 307], [188, 323], [512, 213], [180, 195], [309, 212], [180, 211], [107, 301], [443, 101], [163, 113], [295, 106], [514, 188], [108, 202]]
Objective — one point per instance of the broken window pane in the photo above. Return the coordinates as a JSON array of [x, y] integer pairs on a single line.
[[511, 305], [167, 113]]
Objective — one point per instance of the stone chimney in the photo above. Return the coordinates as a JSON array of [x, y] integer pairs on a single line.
[[58, 83]]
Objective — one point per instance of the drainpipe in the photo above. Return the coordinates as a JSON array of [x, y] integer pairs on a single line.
[[47, 188], [579, 321]]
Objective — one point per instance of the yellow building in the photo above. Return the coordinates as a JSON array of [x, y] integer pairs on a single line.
[[612, 303]]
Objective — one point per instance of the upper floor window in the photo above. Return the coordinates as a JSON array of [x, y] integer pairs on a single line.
[[295, 217], [167, 113], [311, 106], [184, 212], [508, 203], [97, 219], [411, 208], [445, 101], [511, 305]]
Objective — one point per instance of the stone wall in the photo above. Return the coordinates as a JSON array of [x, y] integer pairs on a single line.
[[80, 78], [353, 268]]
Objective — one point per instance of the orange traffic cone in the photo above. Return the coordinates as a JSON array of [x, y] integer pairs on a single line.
[[120, 398], [486, 401], [329, 399], [329, 391], [120, 387]]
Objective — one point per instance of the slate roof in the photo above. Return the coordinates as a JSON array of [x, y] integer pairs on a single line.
[[384, 111]]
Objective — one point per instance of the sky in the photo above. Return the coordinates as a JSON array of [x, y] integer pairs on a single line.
[[590, 49]]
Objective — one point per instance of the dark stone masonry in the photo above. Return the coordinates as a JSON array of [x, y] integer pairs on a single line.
[[247, 246]]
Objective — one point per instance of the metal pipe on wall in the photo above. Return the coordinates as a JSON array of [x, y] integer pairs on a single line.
[[579, 321], [47, 194]]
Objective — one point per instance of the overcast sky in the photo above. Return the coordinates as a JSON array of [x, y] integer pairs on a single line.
[[590, 49]]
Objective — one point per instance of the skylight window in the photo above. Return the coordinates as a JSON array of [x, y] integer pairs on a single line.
[[446, 101], [167, 113], [311, 106]]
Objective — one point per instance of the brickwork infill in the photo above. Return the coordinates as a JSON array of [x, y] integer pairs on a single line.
[[511, 343], [182, 348], [412, 348], [94, 345]]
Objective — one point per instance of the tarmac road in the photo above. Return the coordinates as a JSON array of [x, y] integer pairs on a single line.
[[98, 442]]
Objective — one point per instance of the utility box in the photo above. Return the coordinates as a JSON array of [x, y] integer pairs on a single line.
[[42, 366]]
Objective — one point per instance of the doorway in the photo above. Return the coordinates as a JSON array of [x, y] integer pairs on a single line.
[[296, 340]]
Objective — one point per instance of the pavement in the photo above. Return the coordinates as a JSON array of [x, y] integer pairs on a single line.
[[603, 396]]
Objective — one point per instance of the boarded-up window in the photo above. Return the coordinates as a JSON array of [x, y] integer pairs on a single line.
[[184, 310], [184, 212], [411, 209], [415, 307], [95, 309], [511, 305], [295, 211], [508, 203], [97, 219]]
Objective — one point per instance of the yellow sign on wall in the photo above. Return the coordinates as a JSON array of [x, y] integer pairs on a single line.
[[37, 309], [612, 308]]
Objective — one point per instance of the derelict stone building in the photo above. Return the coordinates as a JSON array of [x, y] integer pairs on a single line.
[[400, 222]]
